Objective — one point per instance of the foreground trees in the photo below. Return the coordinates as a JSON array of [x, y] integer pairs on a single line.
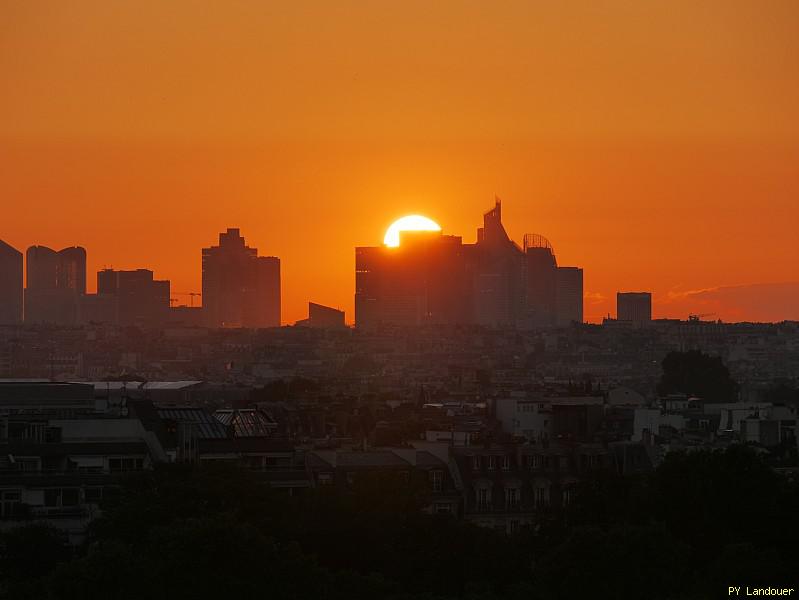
[[701, 522]]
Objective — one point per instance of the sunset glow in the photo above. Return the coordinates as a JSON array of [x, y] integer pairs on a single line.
[[646, 142], [409, 223]]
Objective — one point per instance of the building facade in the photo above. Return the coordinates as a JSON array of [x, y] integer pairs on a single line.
[[136, 298], [635, 307], [10, 285], [56, 282], [240, 288], [569, 296]]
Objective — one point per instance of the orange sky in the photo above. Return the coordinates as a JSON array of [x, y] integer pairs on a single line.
[[656, 144]]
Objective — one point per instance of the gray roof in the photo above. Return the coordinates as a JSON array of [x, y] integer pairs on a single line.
[[205, 424], [247, 422]]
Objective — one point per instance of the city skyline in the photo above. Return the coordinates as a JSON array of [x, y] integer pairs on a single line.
[[657, 147], [733, 303]]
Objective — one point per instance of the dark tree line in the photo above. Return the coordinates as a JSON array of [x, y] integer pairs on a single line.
[[699, 523], [697, 374]]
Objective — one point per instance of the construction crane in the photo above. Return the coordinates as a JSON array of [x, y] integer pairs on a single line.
[[697, 317], [190, 294]]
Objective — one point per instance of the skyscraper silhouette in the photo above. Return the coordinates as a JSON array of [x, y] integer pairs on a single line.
[[10, 284], [437, 279], [541, 280], [569, 296], [240, 288], [56, 281]]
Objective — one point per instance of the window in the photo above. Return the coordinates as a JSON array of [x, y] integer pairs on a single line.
[[483, 499], [535, 461], [513, 526], [324, 478], [10, 503], [350, 478], [476, 463], [437, 478], [506, 463], [442, 508], [591, 461], [28, 464], [511, 498], [542, 496], [492, 463], [60, 497], [567, 496]]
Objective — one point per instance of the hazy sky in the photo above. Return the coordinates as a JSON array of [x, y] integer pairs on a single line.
[[655, 143]]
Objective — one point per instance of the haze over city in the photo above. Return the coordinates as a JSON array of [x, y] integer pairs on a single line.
[[654, 144]]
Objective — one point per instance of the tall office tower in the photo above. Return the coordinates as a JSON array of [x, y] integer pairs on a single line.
[[424, 280], [635, 307], [240, 288], [569, 296], [139, 299], [498, 266], [56, 283], [541, 272], [10, 285]]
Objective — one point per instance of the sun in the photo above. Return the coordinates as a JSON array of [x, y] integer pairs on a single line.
[[409, 223]]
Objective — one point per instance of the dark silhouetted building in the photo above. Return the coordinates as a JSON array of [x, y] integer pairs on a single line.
[[240, 288], [56, 282], [541, 283], [431, 278], [138, 299], [97, 308], [569, 296], [323, 317], [635, 307], [424, 280], [498, 267], [10, 285]]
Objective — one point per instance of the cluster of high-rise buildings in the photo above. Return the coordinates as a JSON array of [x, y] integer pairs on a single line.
[[433, 278], [240, 289], [430, 278]]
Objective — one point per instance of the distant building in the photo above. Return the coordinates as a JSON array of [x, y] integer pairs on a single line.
[[240, 288], [433, 278], [635, 307], [323, 317], [569, 296], [98, 308], [10, 285], [56, 281], [541, 280], [138, 298]]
